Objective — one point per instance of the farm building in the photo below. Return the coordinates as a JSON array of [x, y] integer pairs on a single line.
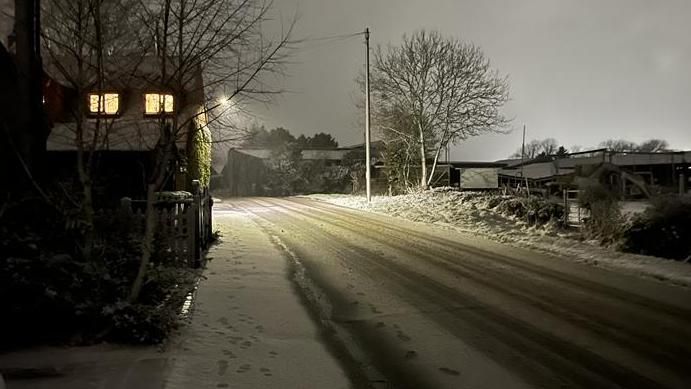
[[468, 175], [634, 174], [250, 171]]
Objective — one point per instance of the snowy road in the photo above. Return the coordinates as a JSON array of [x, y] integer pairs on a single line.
[[438, 309]]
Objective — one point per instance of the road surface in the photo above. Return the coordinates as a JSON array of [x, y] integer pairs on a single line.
[[433, 308]]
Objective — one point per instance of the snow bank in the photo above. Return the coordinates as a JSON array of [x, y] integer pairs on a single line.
[[477, 213]]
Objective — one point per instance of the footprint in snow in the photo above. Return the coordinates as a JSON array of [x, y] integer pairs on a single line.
[[222, 367], [449, 371], [403, 336]]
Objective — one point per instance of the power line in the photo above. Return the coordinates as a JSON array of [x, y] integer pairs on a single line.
[[334, 37], [308, 44]]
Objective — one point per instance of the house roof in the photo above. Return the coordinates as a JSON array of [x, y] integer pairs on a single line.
[[511, 161], [125, 72]]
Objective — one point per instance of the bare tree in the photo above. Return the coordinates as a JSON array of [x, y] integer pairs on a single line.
[[84, 43], [649, 146], [653, 146], [225, 40], [535, 148], [618, 145], [445, 86]]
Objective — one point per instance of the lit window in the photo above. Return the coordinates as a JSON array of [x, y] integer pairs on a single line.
[[156, 103], [105, 103]]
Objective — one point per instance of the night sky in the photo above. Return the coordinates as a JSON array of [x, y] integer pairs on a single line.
[[580, 71]]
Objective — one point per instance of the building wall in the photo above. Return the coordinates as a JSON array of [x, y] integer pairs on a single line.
[[243, 175], [117, 174], [6, 20], [479, 178]]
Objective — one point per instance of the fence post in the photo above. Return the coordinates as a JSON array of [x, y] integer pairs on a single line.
[[210, 218], [126, 205], [565, 193], [189, 223], [196, 209]]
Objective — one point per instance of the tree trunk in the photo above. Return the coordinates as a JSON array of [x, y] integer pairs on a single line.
[[436, 158], [147, 244], [423, 159]]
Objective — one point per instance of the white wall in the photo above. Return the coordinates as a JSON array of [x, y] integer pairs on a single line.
[[479, 178]]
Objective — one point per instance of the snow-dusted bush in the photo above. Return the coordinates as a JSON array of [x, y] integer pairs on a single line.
[[663, 230], [535, 210], [605, 223], [51, 292]]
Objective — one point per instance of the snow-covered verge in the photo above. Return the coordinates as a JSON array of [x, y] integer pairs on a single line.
[[477, 213]]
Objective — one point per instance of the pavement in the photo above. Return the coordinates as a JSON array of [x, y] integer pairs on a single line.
[[248, 329]]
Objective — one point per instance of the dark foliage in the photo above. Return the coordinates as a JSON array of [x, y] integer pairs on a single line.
[[663, 230], [287, 173], [50, 293], [320, 140], [535, 210], [354, 163], [280, 137], [605, 222], [277, 137]]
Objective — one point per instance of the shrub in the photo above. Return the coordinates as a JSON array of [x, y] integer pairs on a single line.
[[535, 210], [51, 293], [605, 222], [663, 230]]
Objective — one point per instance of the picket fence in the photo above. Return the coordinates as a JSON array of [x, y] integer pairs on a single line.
[[184, 226]]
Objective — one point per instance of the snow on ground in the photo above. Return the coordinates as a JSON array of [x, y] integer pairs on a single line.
[[470, 212]]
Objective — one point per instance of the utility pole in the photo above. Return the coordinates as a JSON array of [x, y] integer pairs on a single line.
[[368, 160], [523, 151]]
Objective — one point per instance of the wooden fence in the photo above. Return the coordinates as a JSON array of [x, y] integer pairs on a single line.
[[573, 212], [183, 225]]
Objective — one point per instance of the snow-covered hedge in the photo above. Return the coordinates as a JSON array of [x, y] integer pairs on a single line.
[[663, 230]]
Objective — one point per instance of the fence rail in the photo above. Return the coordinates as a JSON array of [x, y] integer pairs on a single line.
[[183, 225]]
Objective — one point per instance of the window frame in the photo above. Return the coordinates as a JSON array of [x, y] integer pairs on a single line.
[[162, 112], [103, 93]]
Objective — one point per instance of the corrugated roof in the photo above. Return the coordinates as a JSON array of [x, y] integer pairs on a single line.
[[544, 169]]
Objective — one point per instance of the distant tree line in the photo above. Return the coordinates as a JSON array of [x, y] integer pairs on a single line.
[[258, 136], [550, 147]]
